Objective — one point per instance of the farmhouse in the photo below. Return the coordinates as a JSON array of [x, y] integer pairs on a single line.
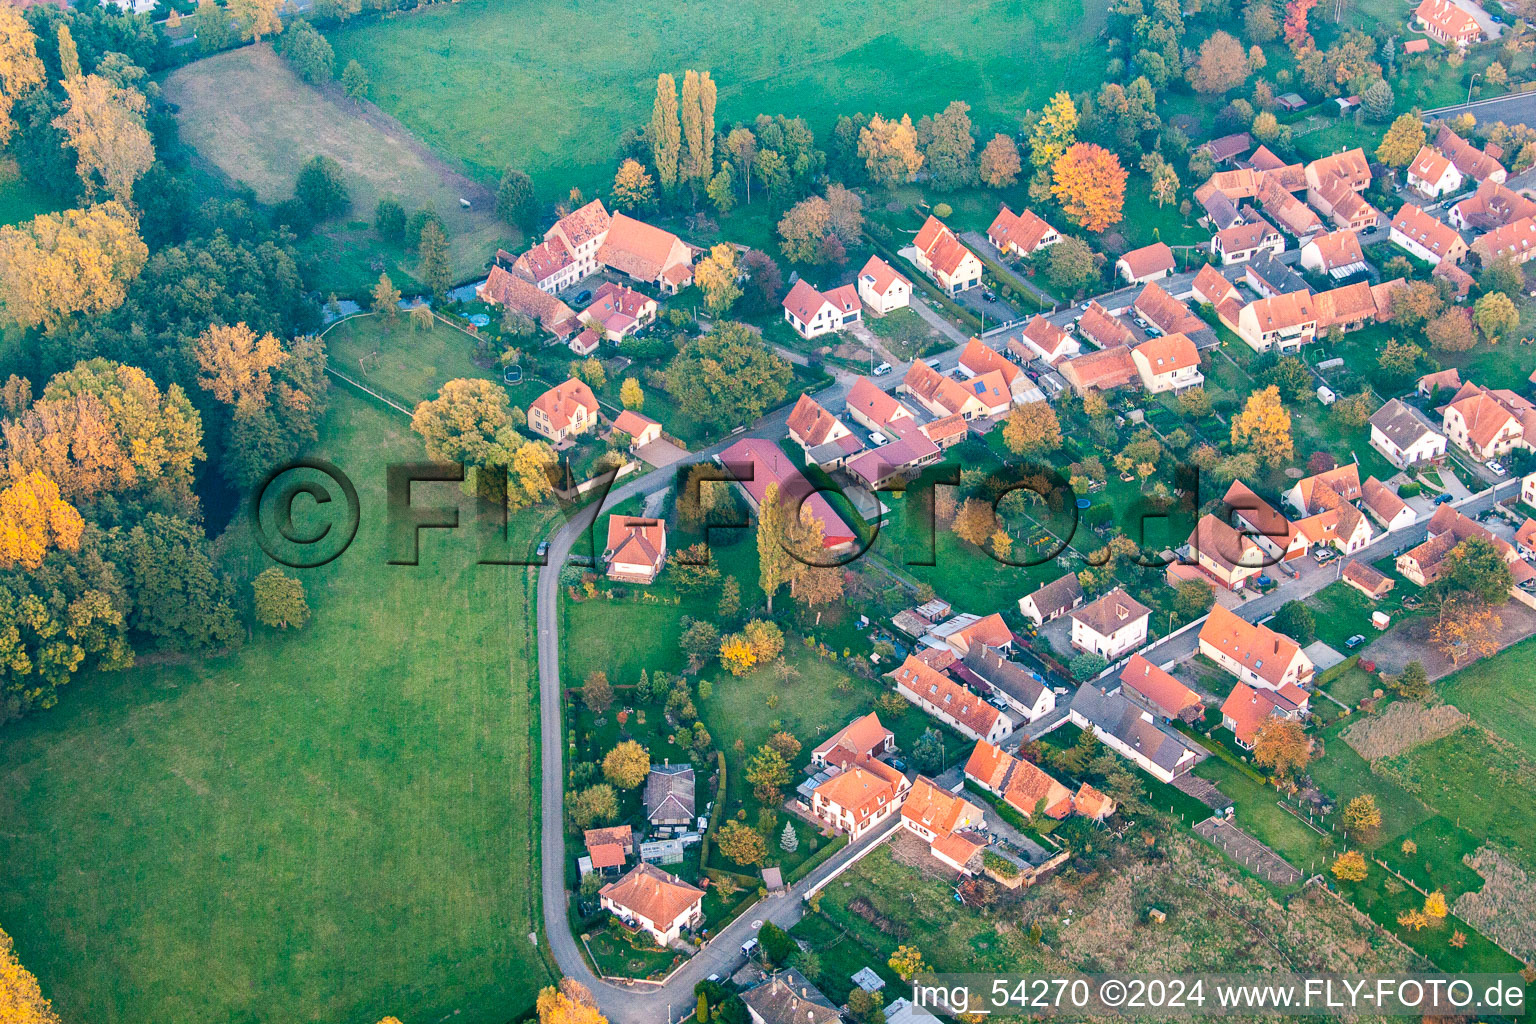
[[1257, 655], [1041, 339], [881, 289], [813, 313], [1401, 434], [1020, 234], [1111, 626], [1053, 600], [1158, 692], [1169, 363], [1227, 148], [757, 463], [564, 411], [863, 737], [1289, 213], [1447, 23], [859, 797], [1336, 254], [1241, 242], [647, 254], [1020, 784], [951, 703], [578, 236], [1131, 731], [636, 550], [512, 291], [648, 899], [953, 827], [1426, 238], [1149, 263], [942, 257]]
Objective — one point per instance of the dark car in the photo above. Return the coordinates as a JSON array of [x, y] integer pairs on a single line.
[[583, 297]]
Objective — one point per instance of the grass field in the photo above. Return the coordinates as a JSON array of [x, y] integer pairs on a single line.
[[327, 825], [412, 365], [1500, 694], [248, 114], [444, 71]]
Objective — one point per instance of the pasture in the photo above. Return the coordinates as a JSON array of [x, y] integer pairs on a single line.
[[247, 114], [493, 87], [332, 824], [1500, 694]]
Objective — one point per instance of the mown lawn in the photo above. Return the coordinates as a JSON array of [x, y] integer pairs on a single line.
[[327, 825], [405, 363], [1500, 694]]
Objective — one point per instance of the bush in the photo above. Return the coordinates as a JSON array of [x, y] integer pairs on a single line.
[[942, 210], [1410, 489]]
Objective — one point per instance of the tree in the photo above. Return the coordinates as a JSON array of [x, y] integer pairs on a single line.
[[789, 839], [256, 18], [432, 263], [1054, 131], [727, 376], [354, 81], [21, 998], [469, 422], [975, 521], [213, 28], [716, 275], [104, 124], [1477, 567], [61, 265], [741, 145], [237, 365], [1000, 163], [1465, 629], [948, 147], [570, 1003], [1264, 427], [309, 53], [741, 844], [34, 519], [722, 189], [736, 654], [1495, 315], [928, 752], [597, 692], [1071, 265], [769, 773], [772, 170], [1414, 684], [1087, 665], [1377, 101], [1296, 621], [1399, 359], [386, 297], [803, 228], [515, 200], [1434, 906], [633, 188], [630, 395], [627, 765], [889, 149], [730, 597], [665, 133], [1413, 920], [1221, 66], [1192, 598], [764, 280], [1402, 141], [179, 599], [1416, 304], [1350, 866], [787, 746], [866, 1007], [698, 122], [700, 640], [1451, 331], [321, 189], [20, 70], [1089, 183], [1266, 126], [1282, 746], [389, 220], [1361, 817], [766, 638], [1502, 275], [595, 805], [280, 600], [907, 962], [1032, 429]]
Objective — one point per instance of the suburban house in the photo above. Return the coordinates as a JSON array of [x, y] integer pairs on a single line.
[[1099, 326], [1514, 241], [1283, 322], [979, 359], [1491, 206], [1053, 600], [967, 632], [1401, 434], [1246, 709], [952, 826], [1525, 538], [1241, 242], [942, 257], [813, 313], [1290, 214], [1169, 363], [1348, 307], [1111, 626], [881, 289], [1211, 288], [669, 795], [576, 238], [1447, 23], [1132, 732], [585, 342], [642, 430], [985, 395], [648, 899], [1149, 263], [1020, 234], [1227, 556], [1337, 254], [1041, 339], [859, 797], [1370, 581], [1324, 490], [1461, 281], [1447, 528], [1270, 277], [620, 311], [1157, 691], [608, 848], [861, 738], [1256, 654], [1432, 173], [512, 291], [949, 702], [637, 548], [1383, 505], [1487, 422], [564, 411], [988, 671], [1018, 783], [874, 409], [824, 438], [1478, 164], [1425, 237], [1344, 207], [788, 998], [756, 463], [1103, 370], [1165, 312]]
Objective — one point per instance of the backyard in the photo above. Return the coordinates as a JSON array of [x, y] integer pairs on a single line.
[[328, 824]]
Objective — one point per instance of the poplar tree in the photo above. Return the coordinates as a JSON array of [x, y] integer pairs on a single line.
[[665, 133]]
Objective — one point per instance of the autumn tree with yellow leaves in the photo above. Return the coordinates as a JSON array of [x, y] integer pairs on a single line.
[[569, 1003], [237, 365], [21, 998], [1264, 427], [61, 265], [1089, 183], [716, 275], [737, 654], [35, 519], [104, 124], [20, 69], [257, 18], [889, 149]]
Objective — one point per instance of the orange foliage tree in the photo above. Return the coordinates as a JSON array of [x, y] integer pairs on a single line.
[[33, 518], [1089, 183]]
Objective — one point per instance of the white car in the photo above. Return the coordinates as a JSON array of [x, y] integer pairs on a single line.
[[882, 369], [1496, 466], [1070, 326]]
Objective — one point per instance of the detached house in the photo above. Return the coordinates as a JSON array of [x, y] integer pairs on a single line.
[[564, 411], [813, 313], [1020, 234], [648, 899], [620, 311], [881, 289], [1491, 206], [1241, 242], [861, 738], [1227, 556], [1477, 164], [985, 395], [1405, 437], [1384, 506], [1514, 241], [823, 437], [636, 550], [952, 826], [1423, 236], [951, 703], [1053, 600], [1489, 423], [1169, 363], [1211, 288], [1018, 687], [1246, 710], [860, 797], [1113, 625], [1043, 340], [1149, 263], [1432, 173], [1324, 490], [1157, 691], [758, 463], [1284, 322], [642, 430], [1337, 254], [942, 257], [1447, 23], [1256, 654], [1102, 328]]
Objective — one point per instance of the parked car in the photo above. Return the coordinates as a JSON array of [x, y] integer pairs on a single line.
[[898, 764], [749, 947], [1354, 641], [1442, 499], [1070, 327], [882, 369], [543, 548], [1496, 466], [1324, 555]]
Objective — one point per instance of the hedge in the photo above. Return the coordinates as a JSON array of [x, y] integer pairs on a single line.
[[714, 814]]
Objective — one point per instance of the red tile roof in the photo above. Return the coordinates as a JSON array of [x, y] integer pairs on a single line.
[[1258, 648], [562, 400], [635, 540], [809, 422], [943, 250], [1248, 709], [653, 894], [1023, 230], [1157, 687], [766, 465], [881, 274], [1149, 259]]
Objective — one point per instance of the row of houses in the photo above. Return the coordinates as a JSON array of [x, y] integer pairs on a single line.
[[1287, 315]]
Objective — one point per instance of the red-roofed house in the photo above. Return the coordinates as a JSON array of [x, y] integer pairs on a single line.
[[1102, 328], [1489, 423], [949, 702], [1481, 165], [1432, 173], [565, 410], [1491, 206], [984, 395], [1167, 313], [1256, 654], [621, 311], [813, 313], [1041, 339], [811, 426], [876, 410], [1149, 263], [647, 253], [1156, 690], [862, 737], [1169, 363], [1103, 370], [1246, 709], [942, 257], [1242, 242], [1337, 254], [642, 430], [1020, 234], [882, 289], [761, 463], [607, 848], [637, 548], [1325, 490], [1442, 20], [512, 291], [649, 899], [1211, 288], [1225, 555], [1513, 241], [979, 358], [1285, 322], [860, 797], [580, 234], [951, 825]]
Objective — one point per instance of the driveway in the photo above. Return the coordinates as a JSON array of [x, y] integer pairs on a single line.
[[978, 241]]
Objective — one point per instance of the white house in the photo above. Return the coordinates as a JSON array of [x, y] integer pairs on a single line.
[[882, 289], [1113, 625], [1405, 437], [813, 313], [1433, 173], [1255, 654], [649, 899], [1425, 237], [1169, 363], [1242, 242], [942, 257], [860, 797], [1131, 731]]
